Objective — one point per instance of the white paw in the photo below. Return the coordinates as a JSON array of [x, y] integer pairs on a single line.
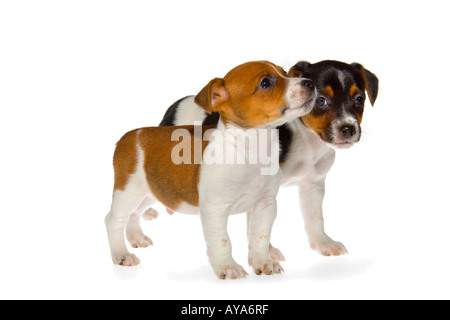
[[126, 260], [328, 247], [141, 241], [150, 214], [232, 271], [268, 267], [276, 254]]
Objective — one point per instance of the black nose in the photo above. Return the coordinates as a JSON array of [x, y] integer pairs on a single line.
[[348, 131], [308, 84]]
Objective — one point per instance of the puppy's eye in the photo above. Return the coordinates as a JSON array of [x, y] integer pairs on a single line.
[[321, 102], [359, 100], [266, 83]]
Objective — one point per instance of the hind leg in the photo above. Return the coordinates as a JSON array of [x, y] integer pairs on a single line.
[[135, 236], [134, 232], [124, 203]]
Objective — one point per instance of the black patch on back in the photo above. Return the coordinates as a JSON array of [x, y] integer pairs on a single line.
[[211, 119], [169, 117], [285, 136]]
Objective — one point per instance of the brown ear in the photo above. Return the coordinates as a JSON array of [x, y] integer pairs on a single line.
[[370, 82], [212, 96]]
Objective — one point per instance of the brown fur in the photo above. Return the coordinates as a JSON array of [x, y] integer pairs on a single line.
[[238, 99], [372, 96], [319, 123], [171, 184], [294, 73], [353, 90], [125, 159], [359, 116], [328, 91]]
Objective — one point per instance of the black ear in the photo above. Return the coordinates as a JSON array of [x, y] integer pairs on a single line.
[[299, 69], [370, 82]]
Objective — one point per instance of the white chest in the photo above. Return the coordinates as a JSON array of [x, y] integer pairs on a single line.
[[239, 169], [308, 158]]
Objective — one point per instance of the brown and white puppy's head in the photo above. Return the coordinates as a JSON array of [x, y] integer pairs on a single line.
[[257, 94], [338, 111]]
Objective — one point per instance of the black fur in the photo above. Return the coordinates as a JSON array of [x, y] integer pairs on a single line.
[[285, 132], [211, 119], [326, 73], [285, 136], [169, 117], [372, 82], [322, 74]]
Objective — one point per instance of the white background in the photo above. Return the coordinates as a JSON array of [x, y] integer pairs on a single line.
[[76, 75]]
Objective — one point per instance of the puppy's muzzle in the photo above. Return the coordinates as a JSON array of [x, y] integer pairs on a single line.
[[307, 84], [347, 131], [345, 135]]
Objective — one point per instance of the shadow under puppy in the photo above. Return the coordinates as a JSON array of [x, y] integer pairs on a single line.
[[251, 99]]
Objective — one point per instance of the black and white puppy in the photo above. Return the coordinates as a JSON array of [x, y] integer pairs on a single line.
[[308, 143]]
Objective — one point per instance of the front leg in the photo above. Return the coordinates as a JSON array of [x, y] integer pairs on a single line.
[[311, 200], [218, 244], [275, 253], [260, 222]]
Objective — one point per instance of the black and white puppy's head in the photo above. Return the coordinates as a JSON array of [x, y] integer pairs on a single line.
[[338, 112]]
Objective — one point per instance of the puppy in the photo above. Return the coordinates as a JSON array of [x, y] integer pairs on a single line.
[[308, 143], [251, 99]]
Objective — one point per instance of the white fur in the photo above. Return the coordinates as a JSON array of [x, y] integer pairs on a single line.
[[125, 212], [306, 166], [242, 188], [338, 140], [341, 76], [224, 189], [188, 111]]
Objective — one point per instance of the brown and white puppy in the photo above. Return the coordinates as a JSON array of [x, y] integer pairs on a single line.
[[308, 143], [251, 99]]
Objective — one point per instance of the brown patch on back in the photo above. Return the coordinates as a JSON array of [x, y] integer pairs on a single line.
[[172, 184], [319, 123], [125, 159], [328, 91]]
